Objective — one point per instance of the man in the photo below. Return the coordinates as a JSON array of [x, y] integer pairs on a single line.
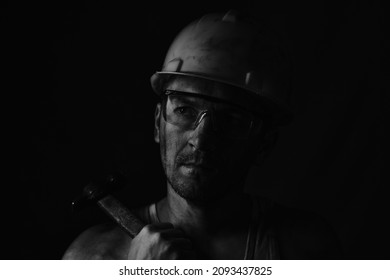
[[224, 91]]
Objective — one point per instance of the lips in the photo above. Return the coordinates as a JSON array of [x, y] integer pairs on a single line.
[[198, 166], [198, 161]]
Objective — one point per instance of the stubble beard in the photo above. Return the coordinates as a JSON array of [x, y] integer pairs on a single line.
[[199, 190], [202, 189], [195, 192]]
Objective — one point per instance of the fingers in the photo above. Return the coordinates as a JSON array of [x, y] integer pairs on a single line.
[[159, 226], [172, 233], [161, 241], [165, 230]]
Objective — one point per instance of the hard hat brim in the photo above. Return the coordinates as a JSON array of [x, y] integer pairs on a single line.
[[280, 112]]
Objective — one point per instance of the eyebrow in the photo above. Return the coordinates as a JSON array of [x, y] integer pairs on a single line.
[[190, 100], [185, 99]]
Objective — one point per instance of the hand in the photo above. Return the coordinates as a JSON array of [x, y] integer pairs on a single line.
[[160, 241]]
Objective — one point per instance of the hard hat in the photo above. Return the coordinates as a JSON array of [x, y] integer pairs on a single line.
[[231, 49]]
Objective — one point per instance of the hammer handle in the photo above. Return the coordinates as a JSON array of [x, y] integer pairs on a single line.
[[118, 212]]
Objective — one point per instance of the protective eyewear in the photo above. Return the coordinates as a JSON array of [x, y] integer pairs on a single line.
[[187, 111]]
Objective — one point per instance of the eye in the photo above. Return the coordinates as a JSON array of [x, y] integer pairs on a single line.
[[185, 111]]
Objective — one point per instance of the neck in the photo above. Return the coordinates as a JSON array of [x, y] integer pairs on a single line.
[[228, 212]]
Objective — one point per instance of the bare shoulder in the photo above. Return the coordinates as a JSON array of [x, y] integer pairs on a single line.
[[305, 235], [105, 241]]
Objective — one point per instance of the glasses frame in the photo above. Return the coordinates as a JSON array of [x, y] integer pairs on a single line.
[[255, 119]]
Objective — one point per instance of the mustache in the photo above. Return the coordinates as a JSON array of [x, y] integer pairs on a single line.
[[197, 158]]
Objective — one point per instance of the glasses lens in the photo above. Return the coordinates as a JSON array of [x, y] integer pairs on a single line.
[[180, 112], [227, 120], [232, 124]]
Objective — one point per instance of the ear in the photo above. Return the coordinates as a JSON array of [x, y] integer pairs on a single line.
[[157, 115], [268, 142]]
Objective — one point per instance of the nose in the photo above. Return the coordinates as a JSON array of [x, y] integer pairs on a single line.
[[203, 136]]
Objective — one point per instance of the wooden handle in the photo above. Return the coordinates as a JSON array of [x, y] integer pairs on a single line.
[[123, 216]]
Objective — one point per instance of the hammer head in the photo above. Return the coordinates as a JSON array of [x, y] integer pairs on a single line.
[[94, 191]]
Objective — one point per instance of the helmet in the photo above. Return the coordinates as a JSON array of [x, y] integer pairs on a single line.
[[231, 49]]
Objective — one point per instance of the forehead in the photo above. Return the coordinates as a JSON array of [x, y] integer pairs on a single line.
[[197, 86], [210, 89], [201, 102]]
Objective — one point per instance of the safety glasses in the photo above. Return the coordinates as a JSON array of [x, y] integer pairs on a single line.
[[187, 111]]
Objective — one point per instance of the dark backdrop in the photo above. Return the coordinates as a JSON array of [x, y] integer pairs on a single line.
[[80, 105]]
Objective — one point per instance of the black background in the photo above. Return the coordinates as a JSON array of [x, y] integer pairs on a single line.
[[79, 104]]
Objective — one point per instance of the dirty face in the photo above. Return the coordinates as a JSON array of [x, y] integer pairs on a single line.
[[206, 146]]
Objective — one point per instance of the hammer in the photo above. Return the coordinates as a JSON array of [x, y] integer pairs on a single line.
[[101, 194]]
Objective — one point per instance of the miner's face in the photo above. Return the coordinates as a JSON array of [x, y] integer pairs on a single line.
[[206, 145]]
